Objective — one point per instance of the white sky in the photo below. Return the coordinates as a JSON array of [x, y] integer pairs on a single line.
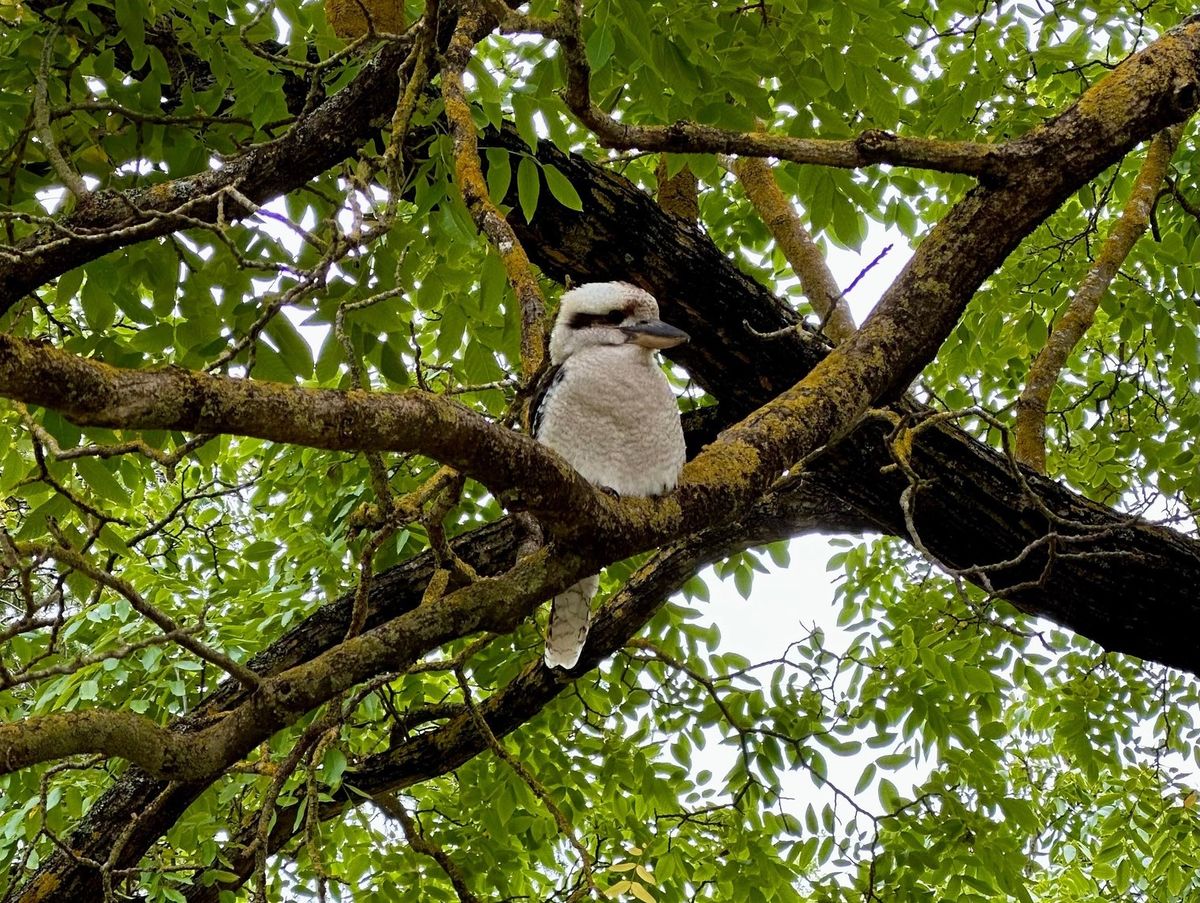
[[761, 627]]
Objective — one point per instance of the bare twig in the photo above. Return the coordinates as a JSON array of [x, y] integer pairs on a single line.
[[391, 806]]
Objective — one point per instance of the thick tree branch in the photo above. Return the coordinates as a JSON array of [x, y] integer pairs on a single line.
[[96, 394], [1077, 319], [440, 751], [280, 700], [1141, 96]]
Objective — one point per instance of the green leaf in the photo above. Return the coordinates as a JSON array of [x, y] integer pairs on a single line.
[[529, 185], [499, 173], [130, 18], [333, 766], [101, 480], [641, 893], [562, 189]]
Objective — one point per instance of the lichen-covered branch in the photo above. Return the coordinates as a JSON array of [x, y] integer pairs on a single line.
[[797, 245], [496, 603], [868, 149], [429, 754], [488, 217], [410, 421], [135, 738], [1077, 318]]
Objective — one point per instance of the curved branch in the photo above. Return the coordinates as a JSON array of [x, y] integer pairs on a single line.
[[440, 751], [868, 149], [135, 738], [111, 220], [488, 217], [93, 393]]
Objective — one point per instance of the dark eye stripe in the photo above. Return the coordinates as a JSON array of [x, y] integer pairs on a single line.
[[613, 317], [583, 321]]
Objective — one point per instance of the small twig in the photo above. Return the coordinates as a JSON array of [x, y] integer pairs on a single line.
[[863, 272], [41, 115], [389, 803], [518, 767]]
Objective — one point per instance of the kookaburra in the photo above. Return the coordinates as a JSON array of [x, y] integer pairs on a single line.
[[606, 406]]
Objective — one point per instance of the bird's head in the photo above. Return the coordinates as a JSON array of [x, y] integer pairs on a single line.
[[609, 313]]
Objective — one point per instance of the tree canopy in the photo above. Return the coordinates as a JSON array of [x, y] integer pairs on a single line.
[[274, 541]]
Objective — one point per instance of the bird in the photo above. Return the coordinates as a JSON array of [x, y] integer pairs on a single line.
[[605, 405]]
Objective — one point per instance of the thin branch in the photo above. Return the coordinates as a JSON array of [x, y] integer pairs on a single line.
[[72, 180], [168, 460], [869, 148], [163, 621], [560, 818], [488, 217], [1078, 317], [391, 806], [797, 245]]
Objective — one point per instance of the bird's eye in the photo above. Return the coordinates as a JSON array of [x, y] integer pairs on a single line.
[[616, 316]]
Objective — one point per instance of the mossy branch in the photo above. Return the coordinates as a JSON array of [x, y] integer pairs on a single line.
[[868, 149], [1030, 448], [488, 217], [797, 245]]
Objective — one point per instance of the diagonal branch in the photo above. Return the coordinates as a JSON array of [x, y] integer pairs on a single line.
[[797, 245], [1077, 319], [488, 217], [113, 220], [440, 751]]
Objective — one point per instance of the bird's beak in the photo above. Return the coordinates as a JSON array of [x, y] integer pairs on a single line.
[[655, 334]]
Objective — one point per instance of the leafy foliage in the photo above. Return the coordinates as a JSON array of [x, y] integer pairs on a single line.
[[993, 756]]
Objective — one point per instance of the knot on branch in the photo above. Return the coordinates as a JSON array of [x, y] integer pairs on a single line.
[[1185, 96], [874, 142]]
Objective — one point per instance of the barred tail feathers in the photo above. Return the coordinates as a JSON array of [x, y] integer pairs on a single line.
[[570, 616]]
